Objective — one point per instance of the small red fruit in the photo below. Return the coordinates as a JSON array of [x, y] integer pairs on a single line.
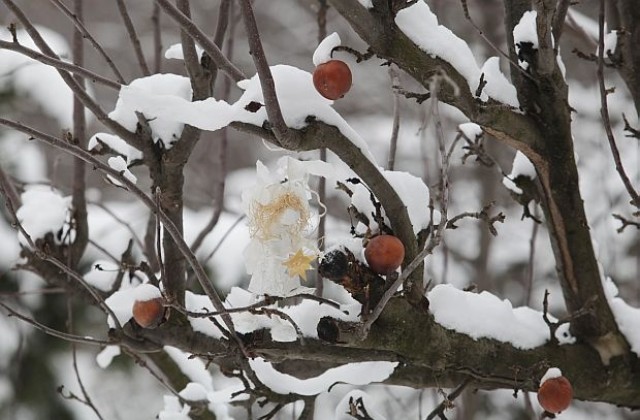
[[384, 254], [555, 394], [332, 79], [148, 313]]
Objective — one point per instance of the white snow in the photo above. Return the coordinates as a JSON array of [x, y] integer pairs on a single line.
[[627, 317], [420, 24], [43, 210], [551, 373], [525, 30], [174, 52], [194, 392], [498, 87], [201, 385], [297, 96], [366, 3], [193, 368], [116, 143], [119, 164], [483, 315], [147, 88], [146, 292], [322, 54], [105, 357], [610, 43], [470, 130], [414, 193], [121, 302], [306, 315], [522, 166], [173, 410], [102, 275], [362, 373]]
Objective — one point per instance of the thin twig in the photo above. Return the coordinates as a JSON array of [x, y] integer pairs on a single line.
[[393, 143], [120, 221], [604, 112], [53, 332], [284, 136], [79, 201], [92, 40], [558, 20], [447, 402], [12, 199], [77, 89], [133, 37], [50, 258], [87, 399], [157, 38], [267, 301], [169, 226], [59, 64], [203, 40], [321, 19], [224, 237]]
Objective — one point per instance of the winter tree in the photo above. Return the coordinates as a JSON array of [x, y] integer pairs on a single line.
[[348, 209]]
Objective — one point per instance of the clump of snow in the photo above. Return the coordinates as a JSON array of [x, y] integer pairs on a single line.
[[414, 193], [525, 32], [194, 392], [43, 210], [306, 315], [102, 275], [551, 373], [610, 42], [483, 315], [522, 166], [470, 130], [157, 85], [322, 54], [362, 373], [366, 3], [297, 96], [420, 24], [121, 302], [119, 164], [174, 52], [146, 292], [193, 368], [105, 357], [627, 317], [116, 144], [201, 386], [498, 87], [173, 410]]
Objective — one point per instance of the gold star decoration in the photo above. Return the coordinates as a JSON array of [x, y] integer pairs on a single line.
[[298, 264]]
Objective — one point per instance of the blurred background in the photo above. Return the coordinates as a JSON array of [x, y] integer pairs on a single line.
[[516, 265]]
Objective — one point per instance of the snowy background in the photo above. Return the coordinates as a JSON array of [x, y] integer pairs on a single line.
[[34, 94]]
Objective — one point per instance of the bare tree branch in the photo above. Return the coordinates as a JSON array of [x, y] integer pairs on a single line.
[[59, 64], [78, 24], [196, 33], [604, 112], [133, 37]]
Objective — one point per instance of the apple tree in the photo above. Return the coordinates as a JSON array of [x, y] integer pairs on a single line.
[[320, 209]]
